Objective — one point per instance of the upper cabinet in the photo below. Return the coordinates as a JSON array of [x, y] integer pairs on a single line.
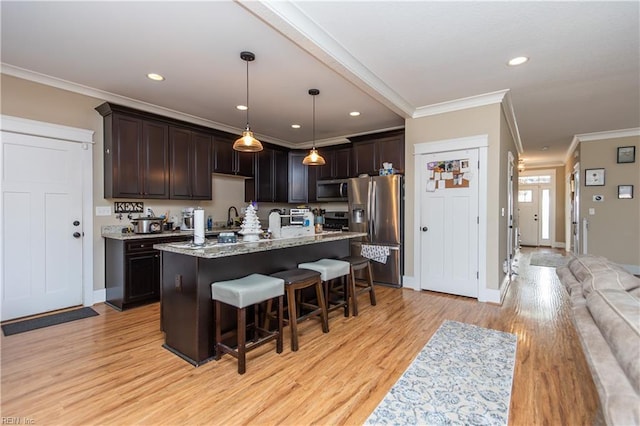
[[228, 161], [298, 178], [149, 156], [270, 183], [370, 151], [136, 156], [190, 164], [338, 162]]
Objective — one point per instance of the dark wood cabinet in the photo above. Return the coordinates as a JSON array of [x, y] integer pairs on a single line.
[[270, 182], [370, 151], [136, 156], [132, 271], [337, 162], [228, 161], [190, 164], [298, 178]]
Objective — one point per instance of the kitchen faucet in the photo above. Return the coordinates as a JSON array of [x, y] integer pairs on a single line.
[[229, 220]]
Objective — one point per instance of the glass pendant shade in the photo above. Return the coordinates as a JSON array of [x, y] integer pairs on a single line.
[[313, 159], [247, 143]]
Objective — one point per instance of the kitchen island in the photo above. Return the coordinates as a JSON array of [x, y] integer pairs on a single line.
[[188, 271]]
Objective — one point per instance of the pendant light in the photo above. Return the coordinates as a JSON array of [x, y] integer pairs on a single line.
[[247, 143], [314, 159]]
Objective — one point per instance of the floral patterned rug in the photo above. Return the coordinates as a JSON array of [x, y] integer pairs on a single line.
[[463, 375]]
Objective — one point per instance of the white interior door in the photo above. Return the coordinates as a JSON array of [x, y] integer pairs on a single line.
[[41, 225], [449, 222]]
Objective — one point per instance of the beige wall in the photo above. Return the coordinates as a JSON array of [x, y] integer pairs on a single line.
[[471, 122], [614, 229]]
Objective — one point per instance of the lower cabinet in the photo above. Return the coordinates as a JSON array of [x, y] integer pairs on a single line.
[[132, 271]]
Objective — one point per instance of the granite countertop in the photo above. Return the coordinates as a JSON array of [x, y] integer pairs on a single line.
[[112, 232], [213, 250]]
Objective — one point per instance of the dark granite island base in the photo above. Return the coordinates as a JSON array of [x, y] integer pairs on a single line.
[[186, 306]]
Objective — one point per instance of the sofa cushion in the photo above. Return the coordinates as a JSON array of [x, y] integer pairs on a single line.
[[617, 315], [596, 272], [619, 400]]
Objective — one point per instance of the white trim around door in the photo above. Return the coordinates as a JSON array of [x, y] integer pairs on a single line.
[[481, 142], [71, 134]]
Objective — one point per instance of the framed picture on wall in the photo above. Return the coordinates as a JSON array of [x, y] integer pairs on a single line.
[[594, 177], [625, 191], [626, 154]]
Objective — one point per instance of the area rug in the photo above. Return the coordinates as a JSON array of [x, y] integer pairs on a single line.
[[46, 321], [553, 260], [463, 375]]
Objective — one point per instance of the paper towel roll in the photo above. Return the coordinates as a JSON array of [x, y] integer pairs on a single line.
[[198, 226]]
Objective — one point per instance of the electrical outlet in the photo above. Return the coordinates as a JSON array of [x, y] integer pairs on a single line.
[[103, 211]]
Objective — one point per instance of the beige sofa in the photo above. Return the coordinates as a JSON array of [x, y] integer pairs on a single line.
[[605, 299]]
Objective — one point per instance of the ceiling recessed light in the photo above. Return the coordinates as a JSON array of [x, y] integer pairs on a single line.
[[295, 126], [242, 107], [155, 77], [519, 60], [545, 148], [354, 113]]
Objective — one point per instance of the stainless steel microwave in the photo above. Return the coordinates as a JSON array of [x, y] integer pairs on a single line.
[[332, 190]]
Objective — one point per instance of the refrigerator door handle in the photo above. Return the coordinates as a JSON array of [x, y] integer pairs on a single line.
[[369, 206], [374, 206]]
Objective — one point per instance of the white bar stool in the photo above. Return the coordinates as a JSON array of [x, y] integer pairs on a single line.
[[241, 293], [331, 269]]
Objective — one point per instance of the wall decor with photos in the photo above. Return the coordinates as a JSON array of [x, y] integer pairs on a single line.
[[448, 174], [594, 177], [625, 191], [626, 154]]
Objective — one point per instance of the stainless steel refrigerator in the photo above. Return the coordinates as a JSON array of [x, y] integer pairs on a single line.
[[376, 206]]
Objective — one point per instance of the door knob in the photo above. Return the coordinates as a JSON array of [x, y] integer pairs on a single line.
[[425, 229], [76, 235]]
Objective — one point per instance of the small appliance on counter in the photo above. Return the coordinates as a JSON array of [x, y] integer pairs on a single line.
[[187, 219], [147, 225], [301, 224]]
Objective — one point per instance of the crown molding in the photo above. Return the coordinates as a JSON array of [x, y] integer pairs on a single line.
[[611, 134], [460, 104], [289, 20], [510, 116], [598, 136]]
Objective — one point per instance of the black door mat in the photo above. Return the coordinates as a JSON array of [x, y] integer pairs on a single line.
[[46, 321]]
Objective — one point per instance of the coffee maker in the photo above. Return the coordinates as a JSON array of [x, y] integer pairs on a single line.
[[187, 219]]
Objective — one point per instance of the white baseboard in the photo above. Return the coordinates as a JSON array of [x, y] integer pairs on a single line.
[[410, 282], [634, 269], [489, 295], [557, 244], [99, 296]]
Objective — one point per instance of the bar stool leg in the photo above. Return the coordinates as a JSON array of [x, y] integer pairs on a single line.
[[242, 340], [354, 294], [323, 307], [218, 319], [280, 324], [372, 293], [293, 317]]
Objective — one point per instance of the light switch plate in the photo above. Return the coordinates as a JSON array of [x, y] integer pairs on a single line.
[[592, 211], [103, 211]]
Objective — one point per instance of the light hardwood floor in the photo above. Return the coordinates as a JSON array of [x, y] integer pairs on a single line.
[[111, 369]]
